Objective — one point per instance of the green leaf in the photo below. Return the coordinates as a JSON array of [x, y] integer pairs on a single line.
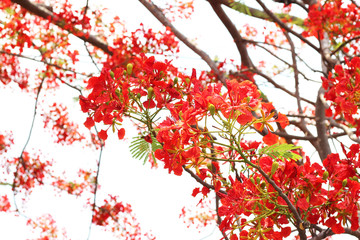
[[280, 151], [140, 149]]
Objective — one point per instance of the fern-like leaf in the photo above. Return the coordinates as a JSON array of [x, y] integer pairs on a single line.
[[281, 151], [140, 149]]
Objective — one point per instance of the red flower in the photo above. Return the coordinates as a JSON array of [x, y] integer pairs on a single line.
[[103, 135], [270, 139], [89, 123], [121, 133]]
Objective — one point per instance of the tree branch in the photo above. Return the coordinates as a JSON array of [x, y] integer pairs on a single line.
[[46, 14], [253, 12], [288, 29], [323, 143], [239, 41], [281, 87], [44, 62], [199, 180], [159, 15]]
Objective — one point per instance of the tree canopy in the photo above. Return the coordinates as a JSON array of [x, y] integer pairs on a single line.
[[270, 137]]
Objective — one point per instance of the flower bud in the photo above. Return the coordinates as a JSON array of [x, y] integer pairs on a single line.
[[150, 92], [176, 79], [252, 180], [211, 108], [112, 75], [129, 68], [344, 182], [274, 167], [117, 92], [258, 180], [187, 80], [325, 175], [209, 166]]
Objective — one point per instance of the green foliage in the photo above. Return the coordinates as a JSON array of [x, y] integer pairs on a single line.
[[140, 149], [240, 8], [281, 151]]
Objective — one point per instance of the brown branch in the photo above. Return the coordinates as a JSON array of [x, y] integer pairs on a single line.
[[219, 220], [46, 14], [292, 208], [323, 143], [253, 12], [159, 15], [343, 45], [44, 62], [282, 60], [285, 27], [285, 135], [346, 129], [96, 183], [199, 180], [239, 41], [281, 87]]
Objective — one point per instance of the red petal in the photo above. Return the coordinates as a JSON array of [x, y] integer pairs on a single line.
[[302, 204], [283, 120], [270, 139], [89, 123], [103, 135], [149, 104], [121, 133]]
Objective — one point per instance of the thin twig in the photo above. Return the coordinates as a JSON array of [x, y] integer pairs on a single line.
[[156, 12], [96, 181], [44, 62]]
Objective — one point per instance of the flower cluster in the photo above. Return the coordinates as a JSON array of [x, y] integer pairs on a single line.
[[343, 90], [339, 20]]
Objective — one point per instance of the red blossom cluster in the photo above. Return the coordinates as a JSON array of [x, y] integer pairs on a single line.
[[338, 19], [343, 91], [30, 171], [179, 9], [330, 204], [4, 204], [47, 226], [65, 131], [118, 216], [201, 218], [76, 187], [6, 140]]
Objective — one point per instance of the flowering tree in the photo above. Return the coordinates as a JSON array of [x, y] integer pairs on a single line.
[[219, 126]]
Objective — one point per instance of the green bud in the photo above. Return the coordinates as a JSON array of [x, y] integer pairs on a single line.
[[176, 79], [124, 72], [129, 68], [138, 95], [112, 74], [344, 182], [117, 92], [209, 166], [258, 180], [150, 92], [274, 167], [180, 114], [187, 80], [252, 180], [211, 108], [355, 178], [325, 175], [262, 185]]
